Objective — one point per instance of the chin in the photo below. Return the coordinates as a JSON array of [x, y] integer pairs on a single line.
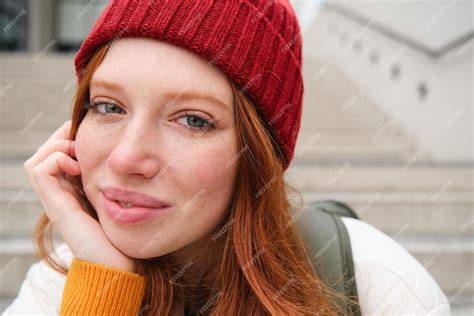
[[135, 248], [133, 253]]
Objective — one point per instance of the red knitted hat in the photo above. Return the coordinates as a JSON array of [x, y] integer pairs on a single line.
[[257, 43]]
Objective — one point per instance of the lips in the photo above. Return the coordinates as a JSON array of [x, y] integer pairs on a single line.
[[132, 199], [133, 215], [140, 207]]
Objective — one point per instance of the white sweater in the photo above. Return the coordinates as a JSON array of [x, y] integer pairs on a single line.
[[389, 280]]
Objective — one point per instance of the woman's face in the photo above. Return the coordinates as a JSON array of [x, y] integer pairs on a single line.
[[145, 138]]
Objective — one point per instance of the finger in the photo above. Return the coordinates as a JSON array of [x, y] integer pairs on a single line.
[[63, 145], [62, 132], [56, 164], [46, 176], [43, 153]]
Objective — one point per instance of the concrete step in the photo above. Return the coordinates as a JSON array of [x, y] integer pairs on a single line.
[[338, 153], [440, 255], [15, 128], [32, 74], [462, 305], [319, 103], [342, 103], [26, 59], [23, 143], [451, 214], [326, 105], [34, 85], [352, 143], [405, 177], [32, 77], [15, 91], [12, 68], [318, 121], [35, 82], [38, 69], [328, 87], [19, 212]]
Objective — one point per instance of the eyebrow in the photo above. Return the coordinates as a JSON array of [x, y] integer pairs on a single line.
[[186, 95]]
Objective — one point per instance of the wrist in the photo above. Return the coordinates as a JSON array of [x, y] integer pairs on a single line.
[[129, 267]]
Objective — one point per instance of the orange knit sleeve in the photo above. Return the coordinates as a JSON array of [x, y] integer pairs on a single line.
[[95, 289]]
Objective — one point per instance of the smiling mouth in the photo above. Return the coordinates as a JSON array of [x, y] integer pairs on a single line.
[[127, 213]]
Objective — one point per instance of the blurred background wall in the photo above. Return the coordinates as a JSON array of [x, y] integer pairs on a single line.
[[387, 121]]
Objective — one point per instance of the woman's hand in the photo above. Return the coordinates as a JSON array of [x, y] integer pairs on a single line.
[[48, 170]]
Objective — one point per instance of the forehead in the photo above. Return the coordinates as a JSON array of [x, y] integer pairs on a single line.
[[141, 63]]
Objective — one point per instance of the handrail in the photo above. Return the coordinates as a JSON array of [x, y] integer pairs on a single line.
[[457, 42]]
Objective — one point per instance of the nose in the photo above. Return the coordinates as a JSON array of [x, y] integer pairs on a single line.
[[136, 152]]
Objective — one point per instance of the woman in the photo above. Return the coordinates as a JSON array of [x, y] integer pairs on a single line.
[[167, 184]]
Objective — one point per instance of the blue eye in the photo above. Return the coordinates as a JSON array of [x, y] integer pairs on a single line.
[[96, 106], [197, 123]]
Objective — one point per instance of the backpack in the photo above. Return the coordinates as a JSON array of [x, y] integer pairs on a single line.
[[327, 241]]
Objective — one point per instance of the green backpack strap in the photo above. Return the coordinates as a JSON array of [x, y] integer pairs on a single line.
[[328, 244]]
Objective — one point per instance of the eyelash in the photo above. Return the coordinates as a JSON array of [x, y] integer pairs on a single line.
[[210, 125]]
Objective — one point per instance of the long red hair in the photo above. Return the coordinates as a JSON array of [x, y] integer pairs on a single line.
[[263, 268]]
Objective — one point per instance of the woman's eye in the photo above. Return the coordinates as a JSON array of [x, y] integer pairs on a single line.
[[103, 107], [193, 121]]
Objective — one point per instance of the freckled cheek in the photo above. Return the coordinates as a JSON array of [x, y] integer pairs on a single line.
[[209, 172], [91, 149], [211, 185]]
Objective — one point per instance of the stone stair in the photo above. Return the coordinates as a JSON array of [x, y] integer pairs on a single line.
[[347, 150]]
